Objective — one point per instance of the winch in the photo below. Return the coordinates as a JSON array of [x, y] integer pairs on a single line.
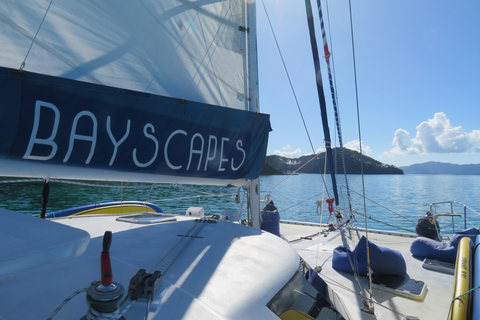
[[103, 295]]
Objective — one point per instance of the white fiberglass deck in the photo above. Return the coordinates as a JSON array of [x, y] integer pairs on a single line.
[[317, 250], [218, 275]]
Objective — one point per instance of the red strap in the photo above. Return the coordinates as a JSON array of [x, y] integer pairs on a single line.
[[330, 204], [106, 269]]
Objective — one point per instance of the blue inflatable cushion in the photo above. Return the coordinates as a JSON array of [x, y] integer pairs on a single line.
[[383, 261], [440, 250], [472, 233], [270, 219], [423, 248]]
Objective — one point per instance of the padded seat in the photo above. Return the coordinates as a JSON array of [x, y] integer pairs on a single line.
[[424, 248], [383, 261]]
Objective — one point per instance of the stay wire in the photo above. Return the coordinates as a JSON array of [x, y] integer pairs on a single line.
[[35, 37], [360, 147], [288, 76], [329, 58], [293, 91]]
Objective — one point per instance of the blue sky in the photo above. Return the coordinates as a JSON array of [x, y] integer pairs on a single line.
[[418, 74]]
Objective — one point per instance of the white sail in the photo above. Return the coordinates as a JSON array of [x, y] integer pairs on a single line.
[[182, 49], [130, 91]]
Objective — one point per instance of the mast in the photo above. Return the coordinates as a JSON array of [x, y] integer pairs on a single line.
[[253, 101], [323, 105]]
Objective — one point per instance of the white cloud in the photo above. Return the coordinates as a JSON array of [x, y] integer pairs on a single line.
[[288, 154], [286, 147], [355, 145], [435, 136]]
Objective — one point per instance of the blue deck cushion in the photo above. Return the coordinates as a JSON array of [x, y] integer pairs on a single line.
[[423, 248], [383, 261], [441, 250], [472, 233], [271, 219]]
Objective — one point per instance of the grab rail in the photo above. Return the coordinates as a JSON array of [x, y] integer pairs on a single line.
[[450, 214]]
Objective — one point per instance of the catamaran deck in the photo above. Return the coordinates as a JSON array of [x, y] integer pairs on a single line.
[[315, 245]]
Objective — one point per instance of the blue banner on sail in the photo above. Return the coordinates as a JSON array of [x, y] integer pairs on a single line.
[[71, 123]]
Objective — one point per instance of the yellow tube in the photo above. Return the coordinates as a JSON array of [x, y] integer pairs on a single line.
[[462, 280]]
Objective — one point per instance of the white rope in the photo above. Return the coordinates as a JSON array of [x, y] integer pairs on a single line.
[[70, 297]]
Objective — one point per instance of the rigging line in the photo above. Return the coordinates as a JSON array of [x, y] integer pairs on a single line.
[[288, 77], [353, 264], [297, 204], [121, 198], [378, 204], [321, 100], [35, 37], [334, 98], [202, 192], [291, 174], [23, 180], [383, 222], [358, 294], [45, 46], [215, 77], [294, 95], [180, 42], [193, 197], [321, 213], [219, 31], [150, 193], [99, 185], [179, 247], [361, 152]]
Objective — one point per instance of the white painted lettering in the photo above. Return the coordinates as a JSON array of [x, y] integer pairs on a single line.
[[165, 150], [74, 136], [152, 137], [209, 156], [193, 151], [49, 141], [239, 148], [115, 142], [222, 159]]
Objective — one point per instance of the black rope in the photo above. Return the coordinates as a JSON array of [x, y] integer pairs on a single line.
[[45, 193]]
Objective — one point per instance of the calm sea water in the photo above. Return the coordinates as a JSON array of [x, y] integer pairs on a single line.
[[396, 199]]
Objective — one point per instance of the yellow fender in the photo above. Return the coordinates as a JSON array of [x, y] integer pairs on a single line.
[[462, 280], [295, 315]]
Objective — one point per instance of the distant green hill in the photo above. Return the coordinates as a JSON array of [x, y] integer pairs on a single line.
[[434, 167], [352, 164]]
